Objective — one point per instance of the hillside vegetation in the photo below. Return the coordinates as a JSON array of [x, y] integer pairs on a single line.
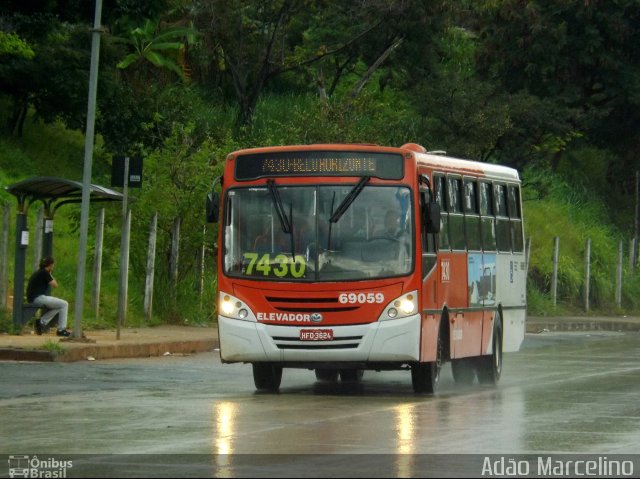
[[550, 89]]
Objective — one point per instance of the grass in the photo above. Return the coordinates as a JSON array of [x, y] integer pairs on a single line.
[[554, 205], [570, 214], [53, 347]]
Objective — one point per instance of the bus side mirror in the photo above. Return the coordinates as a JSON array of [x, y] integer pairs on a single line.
[[213, 207], [433, 217]]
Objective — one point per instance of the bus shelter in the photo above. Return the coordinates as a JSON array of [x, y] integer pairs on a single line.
[[52, 193]]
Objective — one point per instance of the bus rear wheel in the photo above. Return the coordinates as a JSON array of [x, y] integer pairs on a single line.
[[351, 375], [489, 367], [328, 375], [463, 370], [267, 376]]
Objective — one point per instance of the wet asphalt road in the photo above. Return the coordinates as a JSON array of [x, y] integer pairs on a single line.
[[562, 393]]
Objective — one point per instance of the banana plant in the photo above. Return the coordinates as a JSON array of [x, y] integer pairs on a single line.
[[153, 46]]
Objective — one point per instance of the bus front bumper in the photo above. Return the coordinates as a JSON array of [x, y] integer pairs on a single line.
[[395, 340]]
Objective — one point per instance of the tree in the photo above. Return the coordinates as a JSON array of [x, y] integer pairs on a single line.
[[577, 60], [151, 45], [54, 79], [258, 41]]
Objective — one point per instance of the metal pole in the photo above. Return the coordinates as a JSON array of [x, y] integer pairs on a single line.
[[124, 273], [37, 241], [47, 243], [637, 228], [97, 265], [86, 176], [587, 273], [201, 265], [554, 278], [4, 255], [151, 264], [175, 252], [528, 253], [22, 241], [125, 189], [124, 252], [619, 276]]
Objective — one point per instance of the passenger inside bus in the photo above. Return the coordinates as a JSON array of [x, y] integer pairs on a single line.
[[270, 241], [391, 224]]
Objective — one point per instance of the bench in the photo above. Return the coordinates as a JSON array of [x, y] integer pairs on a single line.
[[31, 311]]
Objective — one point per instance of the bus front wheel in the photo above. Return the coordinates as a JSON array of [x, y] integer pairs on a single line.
[[267, 376], [425, 376]]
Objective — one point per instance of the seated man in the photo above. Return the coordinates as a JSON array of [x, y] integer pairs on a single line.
[[391, 225], [40, 284]]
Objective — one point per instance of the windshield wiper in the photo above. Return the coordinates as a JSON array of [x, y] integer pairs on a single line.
[[349, 199], [277, 202], [285, 221]]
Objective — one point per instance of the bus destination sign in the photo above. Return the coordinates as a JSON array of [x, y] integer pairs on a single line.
[[386, 166]]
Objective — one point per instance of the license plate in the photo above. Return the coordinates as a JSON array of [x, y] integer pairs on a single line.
[[316, 335]]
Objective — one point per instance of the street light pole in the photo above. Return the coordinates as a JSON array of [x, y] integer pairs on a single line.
[[86, 177]]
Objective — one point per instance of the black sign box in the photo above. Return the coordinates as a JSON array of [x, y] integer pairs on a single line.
[[135, 172]]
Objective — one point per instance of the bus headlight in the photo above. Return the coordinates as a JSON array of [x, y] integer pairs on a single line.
[[232, 307], [407, 306], [401, 307], [226, 305]]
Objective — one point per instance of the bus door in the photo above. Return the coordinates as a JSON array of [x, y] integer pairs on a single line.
[[428, 238]]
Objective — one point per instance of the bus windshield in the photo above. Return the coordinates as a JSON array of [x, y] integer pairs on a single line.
[[284, 233]]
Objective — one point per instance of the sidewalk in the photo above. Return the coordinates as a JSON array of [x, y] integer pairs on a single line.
[[102, 344], [163, 340]]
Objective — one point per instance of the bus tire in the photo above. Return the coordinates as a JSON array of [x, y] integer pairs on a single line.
[[351, 375], [464, 371], [489, 367], [267, 376], [425, 376], [328, 375]]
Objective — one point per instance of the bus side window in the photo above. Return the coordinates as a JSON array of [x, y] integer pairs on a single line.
[[456, 217], [428, 239], [503, 227], [439, 183], [487, 220], [471, 216], [515, 216]]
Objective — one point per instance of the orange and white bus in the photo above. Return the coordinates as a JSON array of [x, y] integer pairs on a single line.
[[341, 258]]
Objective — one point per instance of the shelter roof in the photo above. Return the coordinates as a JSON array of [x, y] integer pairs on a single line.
[[50, 188]]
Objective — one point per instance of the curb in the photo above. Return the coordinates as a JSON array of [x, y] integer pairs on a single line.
[[109, 351], [8, 354], [581, 325]]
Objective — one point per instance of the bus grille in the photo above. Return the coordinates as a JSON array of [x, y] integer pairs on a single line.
[[303, 305], [347, 342]]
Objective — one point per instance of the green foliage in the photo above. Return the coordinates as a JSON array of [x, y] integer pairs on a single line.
[[375, 117], [12, 45], [6, 323], [554, 207], [53, 347], [550, 88], [160, 48]]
